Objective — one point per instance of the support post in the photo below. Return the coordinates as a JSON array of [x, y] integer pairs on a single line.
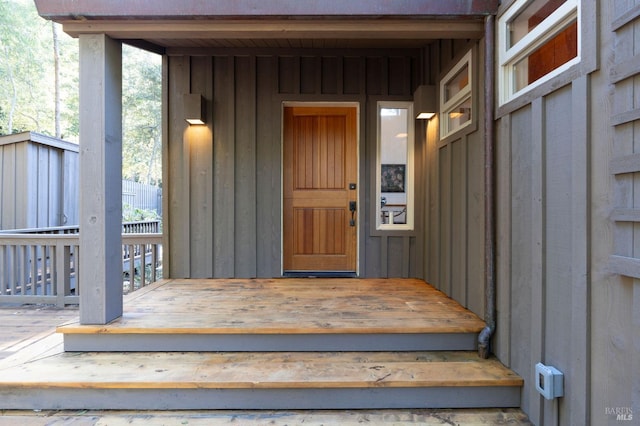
[[100, 179]]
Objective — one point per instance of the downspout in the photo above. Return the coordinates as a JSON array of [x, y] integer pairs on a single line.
[[484, 339]]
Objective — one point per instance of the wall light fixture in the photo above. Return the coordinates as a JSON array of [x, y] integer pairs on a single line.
[[193, 108], [424, 102]]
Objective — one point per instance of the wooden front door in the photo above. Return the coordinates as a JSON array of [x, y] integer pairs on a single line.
[[320, 181]]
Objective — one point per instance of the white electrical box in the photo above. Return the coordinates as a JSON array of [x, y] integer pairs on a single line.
[[549, 381]]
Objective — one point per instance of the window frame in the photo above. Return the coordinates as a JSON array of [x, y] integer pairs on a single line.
[[467, 94], [550, 27], [408, 228]]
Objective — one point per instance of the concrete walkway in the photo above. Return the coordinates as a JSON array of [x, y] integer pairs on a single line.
[[25, 326]]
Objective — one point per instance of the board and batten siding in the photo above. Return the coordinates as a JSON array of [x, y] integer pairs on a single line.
[[617, 318], [551, 149], [223, 181], [454, 257], [38, 182]]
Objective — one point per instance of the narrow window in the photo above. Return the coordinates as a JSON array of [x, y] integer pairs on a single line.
[[394, 177], [456, 97]]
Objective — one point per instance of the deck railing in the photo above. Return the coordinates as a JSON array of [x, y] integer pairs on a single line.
[[140, 227], [43, 267]]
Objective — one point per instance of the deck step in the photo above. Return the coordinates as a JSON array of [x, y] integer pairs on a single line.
[[259, 380], [267, 342], [283, 315]]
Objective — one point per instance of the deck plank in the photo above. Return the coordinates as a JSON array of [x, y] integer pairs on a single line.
[[171, 370], [477, 417], [289, 306]]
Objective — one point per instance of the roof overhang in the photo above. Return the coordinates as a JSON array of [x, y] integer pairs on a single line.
[[238, 9], [242, 23]]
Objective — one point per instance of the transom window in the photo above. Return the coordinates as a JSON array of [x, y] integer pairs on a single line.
[[538, 39], [456, 97]]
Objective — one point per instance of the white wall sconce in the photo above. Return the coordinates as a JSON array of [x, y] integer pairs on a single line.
[[193, 108], [424, 102]]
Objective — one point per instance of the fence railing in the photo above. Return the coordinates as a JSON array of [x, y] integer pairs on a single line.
[[43, 267], [140, 227], [39, 268], [141, 260]]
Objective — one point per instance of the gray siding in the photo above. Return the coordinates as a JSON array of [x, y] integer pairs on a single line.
[[454, 258], [542, 256], [223, 182], [616, 318], [38, 182], [548, 156]]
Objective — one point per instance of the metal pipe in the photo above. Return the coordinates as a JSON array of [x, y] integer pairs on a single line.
[[484, 339]]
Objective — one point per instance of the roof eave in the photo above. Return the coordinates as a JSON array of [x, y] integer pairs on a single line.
[[260, 9]]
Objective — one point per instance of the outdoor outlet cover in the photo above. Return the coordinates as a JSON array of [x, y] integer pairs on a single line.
[[549, 381]]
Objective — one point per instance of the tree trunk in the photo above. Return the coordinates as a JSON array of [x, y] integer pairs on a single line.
[[56, 70], [14, 93]]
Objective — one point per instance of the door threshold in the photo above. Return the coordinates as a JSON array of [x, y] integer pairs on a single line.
[[319, 274]]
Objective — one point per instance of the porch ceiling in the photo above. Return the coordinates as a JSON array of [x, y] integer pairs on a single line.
[[269, 23]]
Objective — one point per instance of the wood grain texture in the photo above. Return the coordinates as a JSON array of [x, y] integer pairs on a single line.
[[22, 324], [478, 416], [234, 370], [289, 306], [39, 371], [320, 160]]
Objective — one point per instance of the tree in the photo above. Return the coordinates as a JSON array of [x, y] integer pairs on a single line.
[[27, 71], [39, 88], [56, 73], [142, 115]]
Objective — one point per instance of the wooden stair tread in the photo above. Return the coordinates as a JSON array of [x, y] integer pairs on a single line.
[[172, 370], [175, 324]]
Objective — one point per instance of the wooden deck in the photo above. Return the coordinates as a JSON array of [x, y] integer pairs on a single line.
[[268, 344], [291, 306], [473, 417], [238, 312]]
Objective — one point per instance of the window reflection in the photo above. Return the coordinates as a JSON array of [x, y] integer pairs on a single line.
[[395, 148]]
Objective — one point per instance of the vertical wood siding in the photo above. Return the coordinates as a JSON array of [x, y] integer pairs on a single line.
[[223, 180], [617, 318], [454, 257], [557, 301], [38, 185], [542, 247]]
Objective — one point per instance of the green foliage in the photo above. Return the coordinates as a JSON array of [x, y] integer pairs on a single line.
[[2, 118], [26, 69], [142, 115], [27, 100], [131, 214]]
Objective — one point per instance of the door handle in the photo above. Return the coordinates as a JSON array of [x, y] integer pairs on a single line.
[[353, 206]]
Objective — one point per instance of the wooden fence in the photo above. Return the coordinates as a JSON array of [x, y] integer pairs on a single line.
[[42, 267], [141, 196]]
